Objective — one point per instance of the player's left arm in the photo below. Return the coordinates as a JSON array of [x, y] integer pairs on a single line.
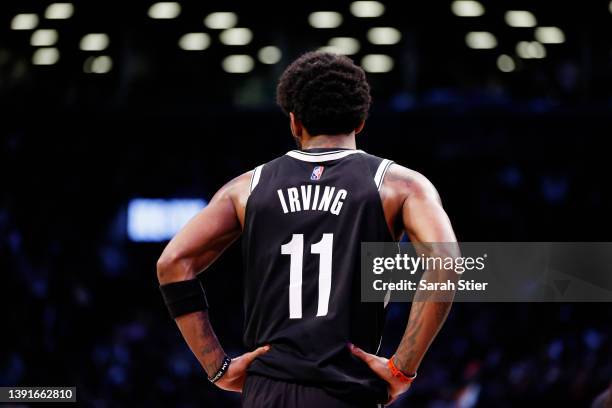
[[193, 250], [425, 222], [429, 230]]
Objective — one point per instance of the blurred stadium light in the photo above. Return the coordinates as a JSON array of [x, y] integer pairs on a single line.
[[505, 63], [269, 55], [549, 35], [236, 36], [325, 19], [98, 65], [26, 21], [344, 45], [156, 220], [530, 49], [165, 10], [467, 8], [221, 20], [384, 35], [377, 63], [367, 9], [94, 42], [59, 11], [520, 18], [194, 41], [43, 38], [45, 56], [158, 59], [238, 64], [480, 40]]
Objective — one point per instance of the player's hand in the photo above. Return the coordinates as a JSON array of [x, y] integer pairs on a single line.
[[380, 368], [233, 379]]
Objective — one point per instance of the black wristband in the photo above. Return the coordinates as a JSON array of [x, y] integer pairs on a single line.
[[184, 297], [221, 371]]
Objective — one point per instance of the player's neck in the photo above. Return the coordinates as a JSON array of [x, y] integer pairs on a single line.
[[346, 141]]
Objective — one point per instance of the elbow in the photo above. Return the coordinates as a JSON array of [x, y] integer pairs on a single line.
[[172, 268], [164, 268]]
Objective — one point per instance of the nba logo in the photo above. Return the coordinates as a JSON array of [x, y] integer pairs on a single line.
[[317, 172]]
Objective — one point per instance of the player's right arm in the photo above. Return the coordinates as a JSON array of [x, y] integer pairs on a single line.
[[193, 250]]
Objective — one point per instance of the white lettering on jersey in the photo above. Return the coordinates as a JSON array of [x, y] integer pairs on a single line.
[[315, 200], [306, 193], [282, 200], [294, 202], [328, 193], [337, 205], [331, 200]]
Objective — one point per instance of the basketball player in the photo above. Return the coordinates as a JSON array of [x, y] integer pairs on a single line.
[[302, 217]]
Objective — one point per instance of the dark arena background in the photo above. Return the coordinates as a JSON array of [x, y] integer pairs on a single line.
[[119, 119]]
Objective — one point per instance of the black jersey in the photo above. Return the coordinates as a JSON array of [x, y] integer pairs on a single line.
[[306, 216]]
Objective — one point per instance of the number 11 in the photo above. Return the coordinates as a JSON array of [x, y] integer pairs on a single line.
[[295, 248]]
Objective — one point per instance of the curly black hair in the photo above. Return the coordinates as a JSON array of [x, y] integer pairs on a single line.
[[328, 93]]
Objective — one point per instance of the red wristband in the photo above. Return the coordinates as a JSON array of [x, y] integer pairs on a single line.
[[399, 374]]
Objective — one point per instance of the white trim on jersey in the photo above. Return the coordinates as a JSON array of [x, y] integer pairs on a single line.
[[387, 299], [255, 178], [321, 156], [381, 171]]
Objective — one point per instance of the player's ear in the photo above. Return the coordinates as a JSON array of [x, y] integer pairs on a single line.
[[296, 126], [360, 127]]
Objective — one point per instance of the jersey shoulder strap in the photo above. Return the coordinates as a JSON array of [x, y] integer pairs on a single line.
[[255, 177], [259, 172], [378, 167], [264, 172]]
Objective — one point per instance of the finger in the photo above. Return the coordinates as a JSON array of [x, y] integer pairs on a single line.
[[250, 356], [367, 357]]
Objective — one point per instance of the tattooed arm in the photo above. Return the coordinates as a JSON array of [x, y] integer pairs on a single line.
[[412, 196], [426, 222], [199, 335], [191, 251], [201, 339]]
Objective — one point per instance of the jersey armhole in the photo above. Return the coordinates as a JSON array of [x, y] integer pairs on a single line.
[[381, 171], [255, 178]]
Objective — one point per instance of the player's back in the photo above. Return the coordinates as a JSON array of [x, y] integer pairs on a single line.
[[306, 217]]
